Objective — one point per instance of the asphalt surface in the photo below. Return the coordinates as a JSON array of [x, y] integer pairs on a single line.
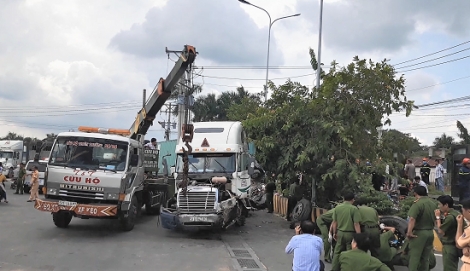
[[29, 241]]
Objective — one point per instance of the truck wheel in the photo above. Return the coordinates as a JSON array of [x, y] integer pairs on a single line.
[[62, 219], [302, 211], [127, 223]]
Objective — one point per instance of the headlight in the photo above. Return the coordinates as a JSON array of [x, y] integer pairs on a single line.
[[113, 196], [52, 191]]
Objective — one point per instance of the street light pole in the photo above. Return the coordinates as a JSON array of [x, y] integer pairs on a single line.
[[269, 41], [319, 46]]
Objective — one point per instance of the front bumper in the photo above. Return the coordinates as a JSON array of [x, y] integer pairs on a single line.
[[88, 210], [171, 220]]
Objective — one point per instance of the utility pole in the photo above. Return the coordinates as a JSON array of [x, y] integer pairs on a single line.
[[168, 125]]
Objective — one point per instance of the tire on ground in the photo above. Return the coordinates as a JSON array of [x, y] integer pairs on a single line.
[[128, 223], [302, 210], [62, 219]]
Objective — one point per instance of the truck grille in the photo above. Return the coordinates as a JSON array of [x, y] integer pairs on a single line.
[[197, 202], [81, 194]]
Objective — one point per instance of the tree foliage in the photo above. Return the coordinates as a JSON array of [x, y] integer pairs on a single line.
[[321, 132], [401, 144], [210, 108], [463, 133], [444, 141]]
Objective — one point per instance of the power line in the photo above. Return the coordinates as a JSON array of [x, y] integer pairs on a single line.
[[446, 49], [256, 79], [464, 98], [72, 106], [433, 65], [255, 67], [443, 83], [429, 60]]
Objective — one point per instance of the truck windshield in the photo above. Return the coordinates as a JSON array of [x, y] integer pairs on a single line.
[[6, 154], [89, 153], [207, 163]]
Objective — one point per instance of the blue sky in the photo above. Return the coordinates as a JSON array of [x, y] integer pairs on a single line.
[[81, 66]]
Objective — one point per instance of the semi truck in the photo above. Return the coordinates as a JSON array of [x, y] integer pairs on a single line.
[[11, 155], [219, 172], [107, 173]]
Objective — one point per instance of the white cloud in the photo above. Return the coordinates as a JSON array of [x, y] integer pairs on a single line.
[[56, 58]]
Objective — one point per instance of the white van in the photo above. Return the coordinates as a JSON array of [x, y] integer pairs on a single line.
[[29, 169]]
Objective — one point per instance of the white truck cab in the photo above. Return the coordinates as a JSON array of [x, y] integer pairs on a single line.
[[219, 178]]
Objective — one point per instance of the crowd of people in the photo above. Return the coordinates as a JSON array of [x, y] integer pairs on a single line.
[[352, 237]]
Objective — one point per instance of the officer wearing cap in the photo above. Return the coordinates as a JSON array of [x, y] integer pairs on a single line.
[[420, 230], [346, 222]]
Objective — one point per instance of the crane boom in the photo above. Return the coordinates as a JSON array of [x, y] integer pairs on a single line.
[[164, 87]]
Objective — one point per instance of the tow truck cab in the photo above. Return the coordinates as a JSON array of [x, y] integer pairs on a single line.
[[94, 175]]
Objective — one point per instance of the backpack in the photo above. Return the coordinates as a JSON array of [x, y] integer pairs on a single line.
[[459, 251]]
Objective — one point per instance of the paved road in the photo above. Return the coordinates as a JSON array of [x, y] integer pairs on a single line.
[[29, 241]]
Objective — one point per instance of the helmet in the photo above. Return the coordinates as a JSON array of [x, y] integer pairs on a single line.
[[466, 161]]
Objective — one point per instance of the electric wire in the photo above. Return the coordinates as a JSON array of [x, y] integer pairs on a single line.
[[435, 53]]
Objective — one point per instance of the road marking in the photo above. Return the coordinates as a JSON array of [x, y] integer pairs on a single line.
[[440, 255]]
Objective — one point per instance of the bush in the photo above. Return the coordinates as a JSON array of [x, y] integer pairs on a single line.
[[405, 206], [377, 200]]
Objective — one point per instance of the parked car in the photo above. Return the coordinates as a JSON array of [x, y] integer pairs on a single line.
[[29, 169]]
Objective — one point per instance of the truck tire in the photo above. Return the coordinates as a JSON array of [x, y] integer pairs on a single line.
[[302, 210], [400, 224], [62, 219], [128, 223]]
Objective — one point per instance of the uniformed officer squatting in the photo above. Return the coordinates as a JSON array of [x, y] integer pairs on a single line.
[[421, 230], [357, 259], [346, 222]]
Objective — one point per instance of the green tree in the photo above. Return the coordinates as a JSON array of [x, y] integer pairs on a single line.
[[210, 108], [322, 132], [463, 133], [396, 142], [444, 141], [12, 136]]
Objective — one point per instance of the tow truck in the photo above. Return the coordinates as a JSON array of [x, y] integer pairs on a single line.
[[108, 173]]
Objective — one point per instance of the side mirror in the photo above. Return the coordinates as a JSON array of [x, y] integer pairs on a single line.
[[251, 166], [134, 160], [165, 167]]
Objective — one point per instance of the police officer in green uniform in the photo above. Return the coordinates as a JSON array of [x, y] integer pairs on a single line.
[[358, 259], [403, 256], [324, 223], [346, 222], [386, 252], [446, 221], [421, 230], [370, 225]]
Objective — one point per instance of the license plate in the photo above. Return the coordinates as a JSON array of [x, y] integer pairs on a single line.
[[198, 219], [67, 203]]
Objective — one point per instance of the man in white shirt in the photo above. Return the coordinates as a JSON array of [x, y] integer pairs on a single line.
[[420, 182], [152, 144]]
